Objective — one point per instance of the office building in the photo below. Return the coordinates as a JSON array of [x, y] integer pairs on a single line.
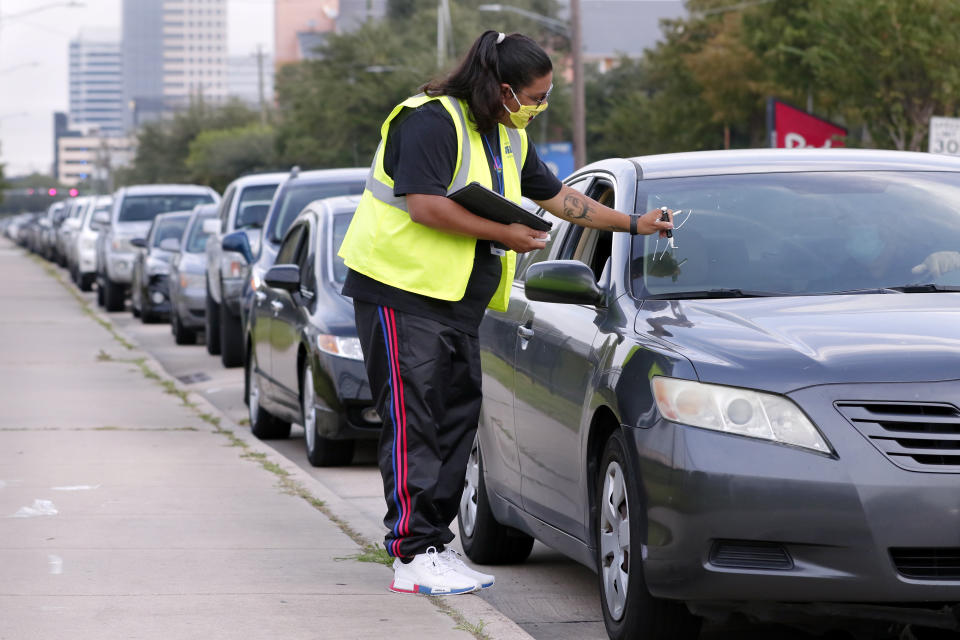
[[91, 156], [174, 52], [301, 27], [96, 81], [244, 77]]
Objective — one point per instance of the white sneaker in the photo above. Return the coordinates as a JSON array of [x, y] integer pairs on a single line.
[[455, 561], [427, 573]]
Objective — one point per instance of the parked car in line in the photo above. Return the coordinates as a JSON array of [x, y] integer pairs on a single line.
[[188, 277], [44, 233], [244, 207], [149, 291], [305, 364], [83, 249], [134, 208], [76, 207], [296, 192], [767, 413]]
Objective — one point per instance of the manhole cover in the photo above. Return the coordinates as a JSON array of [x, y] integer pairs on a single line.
[[192, 378]]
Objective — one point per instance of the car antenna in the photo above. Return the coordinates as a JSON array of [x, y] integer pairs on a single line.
[[294, 172]]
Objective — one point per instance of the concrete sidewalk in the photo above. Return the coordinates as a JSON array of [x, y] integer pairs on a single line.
[[128, 509]]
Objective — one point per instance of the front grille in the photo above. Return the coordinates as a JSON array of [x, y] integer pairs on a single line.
[[927, 563], [745, 554], [917, 436]]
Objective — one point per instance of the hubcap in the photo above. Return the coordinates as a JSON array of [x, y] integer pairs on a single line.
[[309, 413], [614, 540], [471, 488], [253, 394]]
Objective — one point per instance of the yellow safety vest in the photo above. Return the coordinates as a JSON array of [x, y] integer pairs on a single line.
[[382, 241]]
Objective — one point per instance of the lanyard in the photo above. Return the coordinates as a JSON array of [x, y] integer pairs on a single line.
[[497, 164]]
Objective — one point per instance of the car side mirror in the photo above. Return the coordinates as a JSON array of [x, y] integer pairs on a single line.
[[140, 243], [211, 225], [100, 219], [283, 276], [170, 244], [563, 281], [236, 242]]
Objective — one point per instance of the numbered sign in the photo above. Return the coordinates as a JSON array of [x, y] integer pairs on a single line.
[[945, 135]]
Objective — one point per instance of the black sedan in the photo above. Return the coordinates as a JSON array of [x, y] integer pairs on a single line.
[[763, 414], [305, 364], [149, 291]]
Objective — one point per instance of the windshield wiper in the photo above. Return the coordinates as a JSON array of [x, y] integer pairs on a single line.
[[715, 293], [928, 287], [849, 292]]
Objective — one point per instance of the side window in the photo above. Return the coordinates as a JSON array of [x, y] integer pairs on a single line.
[[224, 212], [307, 257], [288, 248], [592, 246]]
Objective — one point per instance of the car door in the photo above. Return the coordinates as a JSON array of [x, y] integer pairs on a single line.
[[555, 369], [214, 249], [267, 301], [287, 310]]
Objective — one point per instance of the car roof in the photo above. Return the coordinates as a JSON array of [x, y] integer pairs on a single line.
[[334, 204], [742, 161], [327, 175], [256, 179], [171, 215], [163, 189]]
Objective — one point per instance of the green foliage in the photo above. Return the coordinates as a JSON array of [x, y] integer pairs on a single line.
[[163, 146], [218, 156]]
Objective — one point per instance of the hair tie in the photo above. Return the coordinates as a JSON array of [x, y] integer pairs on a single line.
[[500, 38]]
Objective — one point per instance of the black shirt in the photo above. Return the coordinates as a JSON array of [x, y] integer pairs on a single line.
[[420, 156]]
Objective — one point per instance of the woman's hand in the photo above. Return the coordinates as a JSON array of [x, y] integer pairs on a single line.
[[522, 238], [938, 263], [650, 222]]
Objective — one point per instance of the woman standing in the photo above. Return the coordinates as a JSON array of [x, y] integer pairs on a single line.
[[423, 270]]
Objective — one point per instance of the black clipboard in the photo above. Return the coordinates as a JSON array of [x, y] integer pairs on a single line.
[[491, 205]]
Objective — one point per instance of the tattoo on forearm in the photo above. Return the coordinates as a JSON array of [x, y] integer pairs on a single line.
[[576, 207]]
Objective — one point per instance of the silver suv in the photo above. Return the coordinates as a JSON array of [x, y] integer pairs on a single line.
[[134, 208], [243, 208]]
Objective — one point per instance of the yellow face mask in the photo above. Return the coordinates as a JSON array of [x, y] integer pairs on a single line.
[[527, 112]]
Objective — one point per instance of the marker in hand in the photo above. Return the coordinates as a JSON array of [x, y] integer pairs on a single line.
[[665, 217]]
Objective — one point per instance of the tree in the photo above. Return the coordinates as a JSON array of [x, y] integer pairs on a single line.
[[888, 61], [218, 156]]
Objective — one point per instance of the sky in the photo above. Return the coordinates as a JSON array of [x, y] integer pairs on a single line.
[[34, 62]]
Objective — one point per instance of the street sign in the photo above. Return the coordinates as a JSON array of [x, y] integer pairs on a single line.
[[945, 135], [793, 128], [558, 156]]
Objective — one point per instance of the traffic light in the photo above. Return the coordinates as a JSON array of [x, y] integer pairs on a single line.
[[74, 193], [52, 192]]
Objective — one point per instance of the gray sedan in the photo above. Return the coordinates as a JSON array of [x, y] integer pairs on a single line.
[[763, 413], [187, 277]]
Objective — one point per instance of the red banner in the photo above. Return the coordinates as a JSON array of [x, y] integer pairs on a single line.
[[792, 128]]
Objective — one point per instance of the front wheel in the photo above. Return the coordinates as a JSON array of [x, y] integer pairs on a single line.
[[263, 424], [212, 325], [231, 339], [181, 335], [629, 611], [486, 541], [321, 452], [114, 295]]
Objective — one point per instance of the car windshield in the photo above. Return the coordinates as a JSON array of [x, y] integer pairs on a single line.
[[169, 228], [145, 208], [340, 223], [197, 240], [254, 204], [293, 198], [800, 233]]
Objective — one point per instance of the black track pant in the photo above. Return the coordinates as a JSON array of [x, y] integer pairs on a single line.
[[425, 381]]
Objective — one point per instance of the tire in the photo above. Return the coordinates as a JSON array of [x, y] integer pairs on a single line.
[[231, 339], [113, 295], [263, 424], [100, 296], [212, 326], [86, 282], [181, 335], [629, 611], [484, 540], [321, 452]]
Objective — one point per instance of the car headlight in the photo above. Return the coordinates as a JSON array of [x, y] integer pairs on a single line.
[[255, 279], [740, 411], [192, 280], [157, 268], [232, 265], [340, 346], [121, 245], [88, 243]]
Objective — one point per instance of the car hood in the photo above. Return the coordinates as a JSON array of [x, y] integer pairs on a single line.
[[782, 344], [130, 229], [192, 263]]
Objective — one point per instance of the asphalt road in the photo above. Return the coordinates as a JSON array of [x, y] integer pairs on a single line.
[[549, 596]]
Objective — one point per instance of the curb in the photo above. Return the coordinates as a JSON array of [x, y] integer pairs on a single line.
[[476, 611]]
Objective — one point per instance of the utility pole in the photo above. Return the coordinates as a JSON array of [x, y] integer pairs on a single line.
[[579, 102], [260, 87]]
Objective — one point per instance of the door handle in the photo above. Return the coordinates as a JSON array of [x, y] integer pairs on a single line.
[[525, 332], [260, 296], [276, 306]]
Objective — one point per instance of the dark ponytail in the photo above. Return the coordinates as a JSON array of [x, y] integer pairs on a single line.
[[517, 61]]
